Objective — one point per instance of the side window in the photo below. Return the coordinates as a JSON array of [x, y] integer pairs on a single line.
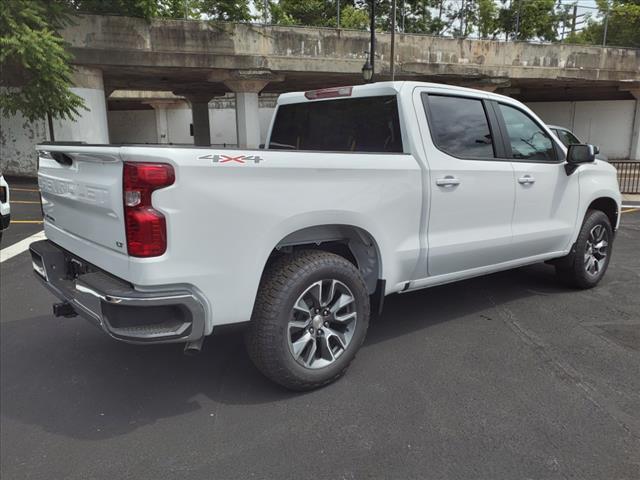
[[459, 126], [528, 140]]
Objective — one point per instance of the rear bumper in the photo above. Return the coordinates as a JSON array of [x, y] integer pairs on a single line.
[[163, 316]]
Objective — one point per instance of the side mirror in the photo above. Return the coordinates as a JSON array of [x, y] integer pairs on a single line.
[[578, 154], [261, 146], [581, 153], [596, 149]]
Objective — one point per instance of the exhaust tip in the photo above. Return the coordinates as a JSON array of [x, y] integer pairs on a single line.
[[192, 349]]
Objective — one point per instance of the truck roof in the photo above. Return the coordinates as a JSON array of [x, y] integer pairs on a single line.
[[376, 89]]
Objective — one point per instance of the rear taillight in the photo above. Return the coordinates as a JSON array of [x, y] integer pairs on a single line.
[[146, 227]]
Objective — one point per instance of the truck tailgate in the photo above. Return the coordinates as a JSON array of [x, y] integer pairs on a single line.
[[81, 190]]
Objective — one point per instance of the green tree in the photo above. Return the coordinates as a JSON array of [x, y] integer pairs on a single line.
[[353, 17], [487, 18], [223, 10], [131, 8], [530, 18], [34, 64], [314, 13], [623, 25], [226, 10]]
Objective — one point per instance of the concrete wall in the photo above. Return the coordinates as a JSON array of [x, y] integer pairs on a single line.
[[138, 126], [608, 124], [105, 40], [135, 124], [18, 139]]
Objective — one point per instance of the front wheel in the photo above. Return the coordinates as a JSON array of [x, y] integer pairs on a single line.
[[310, 318], [586, 266]]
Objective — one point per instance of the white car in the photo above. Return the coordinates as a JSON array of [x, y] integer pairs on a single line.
[[5, 207], [361, 192], [567, 137]]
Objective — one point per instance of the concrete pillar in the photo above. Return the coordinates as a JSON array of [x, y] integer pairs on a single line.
[[89, 125], [247, 119], [247, 116], [200, 114], [162, 125], [634, 153]]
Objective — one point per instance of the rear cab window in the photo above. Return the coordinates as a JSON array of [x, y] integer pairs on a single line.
[[362, 124]]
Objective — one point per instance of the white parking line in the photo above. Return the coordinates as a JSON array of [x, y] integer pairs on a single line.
[[21, 246]]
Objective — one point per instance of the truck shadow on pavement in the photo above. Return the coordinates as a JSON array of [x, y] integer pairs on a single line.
[[68, 378]]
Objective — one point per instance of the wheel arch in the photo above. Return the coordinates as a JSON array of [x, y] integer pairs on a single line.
[[609, 207], [351, 242]]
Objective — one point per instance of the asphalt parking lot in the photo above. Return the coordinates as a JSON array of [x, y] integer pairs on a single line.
[[502, 377]]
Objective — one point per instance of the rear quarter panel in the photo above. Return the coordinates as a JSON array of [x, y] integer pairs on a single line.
[[225, 218]]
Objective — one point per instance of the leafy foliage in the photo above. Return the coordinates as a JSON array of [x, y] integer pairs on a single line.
[[530, 19], [226, 10], [36, 74], [623, 27]]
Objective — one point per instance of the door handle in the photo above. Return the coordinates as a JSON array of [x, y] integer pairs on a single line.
[[448, 181], [526, 180]]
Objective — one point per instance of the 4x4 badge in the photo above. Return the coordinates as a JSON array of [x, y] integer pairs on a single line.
[[231, 158]]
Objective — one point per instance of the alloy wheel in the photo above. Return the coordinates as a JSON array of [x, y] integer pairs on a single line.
[[596, 250], [322, 323]]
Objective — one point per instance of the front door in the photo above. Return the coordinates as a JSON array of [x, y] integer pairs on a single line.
[[546, 197], [470, 184]]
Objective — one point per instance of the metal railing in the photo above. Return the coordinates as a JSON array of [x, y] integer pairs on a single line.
[[628, 176]]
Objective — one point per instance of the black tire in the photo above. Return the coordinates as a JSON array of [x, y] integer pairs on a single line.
[[268, 339], [573, 270]]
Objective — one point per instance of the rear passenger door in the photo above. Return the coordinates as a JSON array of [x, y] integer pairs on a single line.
[[470, 183], [546, 197]]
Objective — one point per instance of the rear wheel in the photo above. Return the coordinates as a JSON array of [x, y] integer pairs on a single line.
[[586, 266], [310, 318]]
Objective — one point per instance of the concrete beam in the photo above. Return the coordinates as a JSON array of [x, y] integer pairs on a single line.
[[187, 51]]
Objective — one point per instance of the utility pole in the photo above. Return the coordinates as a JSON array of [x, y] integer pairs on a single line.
[[338, 13], [518, 20], [404, 12], [372, 54], [606, 26], [52, 137], [393, 40], [266, 11], [573, 20]]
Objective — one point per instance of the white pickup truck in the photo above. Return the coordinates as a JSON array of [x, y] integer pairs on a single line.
[[360, 192]]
